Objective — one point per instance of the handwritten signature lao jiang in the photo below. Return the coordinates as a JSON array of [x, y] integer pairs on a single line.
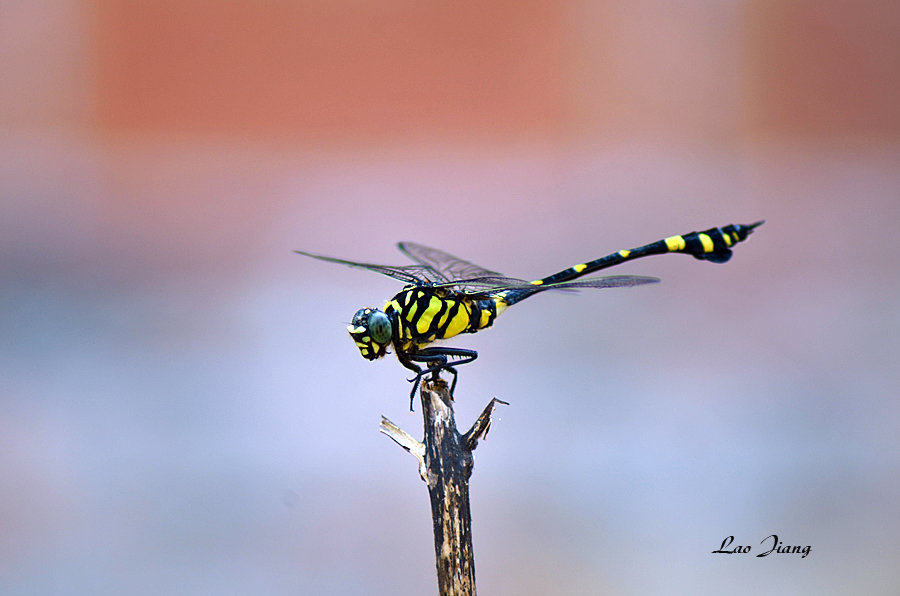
[[776, 546]]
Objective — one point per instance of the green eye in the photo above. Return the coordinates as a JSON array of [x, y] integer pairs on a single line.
[[379, 327]]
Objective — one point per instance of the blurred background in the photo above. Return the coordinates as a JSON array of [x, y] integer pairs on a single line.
[[183, 412]]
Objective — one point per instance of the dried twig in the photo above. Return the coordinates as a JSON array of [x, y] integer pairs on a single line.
[[445, 464]]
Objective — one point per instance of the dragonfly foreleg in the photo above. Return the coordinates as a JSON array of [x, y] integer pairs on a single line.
[[407, 361], [437, 359]]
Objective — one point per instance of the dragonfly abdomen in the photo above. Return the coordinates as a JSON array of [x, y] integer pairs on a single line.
[[712, 245]]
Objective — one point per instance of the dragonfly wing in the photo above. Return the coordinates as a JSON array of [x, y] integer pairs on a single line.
[[479, 287], [449, 267], [609, 281], [483, 287], [411, 274]]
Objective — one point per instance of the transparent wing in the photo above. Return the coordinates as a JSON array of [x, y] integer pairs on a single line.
[[411, 274], [609, 281], [444, 270], [480, 287], [450, 268]]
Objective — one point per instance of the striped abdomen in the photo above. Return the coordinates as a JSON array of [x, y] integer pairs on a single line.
[[712, 245]]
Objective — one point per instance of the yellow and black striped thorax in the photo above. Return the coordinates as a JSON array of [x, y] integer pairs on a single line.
[[422, 314]]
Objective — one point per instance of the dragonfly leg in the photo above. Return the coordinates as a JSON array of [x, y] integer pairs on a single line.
[[406, 361], [437, 359]]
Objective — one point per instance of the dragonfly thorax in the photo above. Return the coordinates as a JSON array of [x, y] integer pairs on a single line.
[[371, 330]]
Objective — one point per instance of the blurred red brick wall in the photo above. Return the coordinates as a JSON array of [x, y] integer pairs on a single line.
[[327, 68], [825, 68], [513, 69]]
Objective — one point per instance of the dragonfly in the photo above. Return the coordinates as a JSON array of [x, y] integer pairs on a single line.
[[446, 296]]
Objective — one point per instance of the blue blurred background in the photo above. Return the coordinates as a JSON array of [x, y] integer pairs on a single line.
[[183, 412]]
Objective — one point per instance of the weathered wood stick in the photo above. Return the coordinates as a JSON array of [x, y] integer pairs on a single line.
[[445, 464]]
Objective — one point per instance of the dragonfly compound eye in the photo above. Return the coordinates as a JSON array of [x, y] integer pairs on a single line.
[[379, 327], [371, 331]]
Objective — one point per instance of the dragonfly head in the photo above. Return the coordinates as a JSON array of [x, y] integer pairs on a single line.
[[371, 330]]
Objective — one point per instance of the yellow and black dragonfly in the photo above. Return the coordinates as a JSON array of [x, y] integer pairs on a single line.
[[445, 296]]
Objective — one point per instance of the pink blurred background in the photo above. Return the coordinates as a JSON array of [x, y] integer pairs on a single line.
[[183, 413]]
